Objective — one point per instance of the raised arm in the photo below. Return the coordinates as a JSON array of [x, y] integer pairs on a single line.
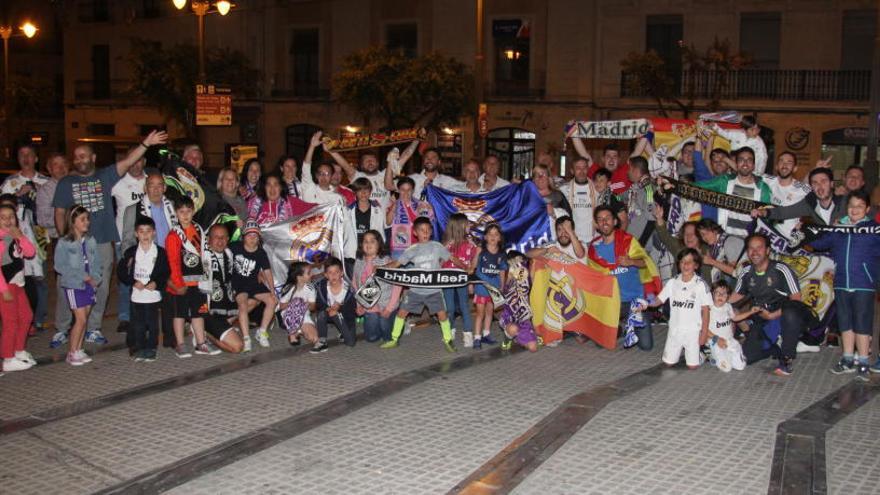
[[307, 160], [581, 149], [389, 174], [642, 145], [154, 137], [350, 170], [407, 154]]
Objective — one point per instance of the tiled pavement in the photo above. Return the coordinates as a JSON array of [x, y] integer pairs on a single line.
[[702, 432], [698, 432], [853, 449]]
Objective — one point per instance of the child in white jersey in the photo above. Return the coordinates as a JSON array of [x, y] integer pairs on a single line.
[[726, 350], [689, 302]]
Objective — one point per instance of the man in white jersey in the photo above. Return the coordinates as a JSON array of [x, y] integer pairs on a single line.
[[430, 174], [318, 189], [581, 195], [490, 179], [785, 190], [128, 191], [369, 169]]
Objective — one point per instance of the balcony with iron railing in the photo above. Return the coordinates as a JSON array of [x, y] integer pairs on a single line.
[[803, 85]]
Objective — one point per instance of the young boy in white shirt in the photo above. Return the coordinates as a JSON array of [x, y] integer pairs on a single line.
[[689, 302], [726, 350], [144, 267]]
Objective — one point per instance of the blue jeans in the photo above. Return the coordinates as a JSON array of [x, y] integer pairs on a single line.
[[457, 299], [646, 336], [376, 327], [123, 301]]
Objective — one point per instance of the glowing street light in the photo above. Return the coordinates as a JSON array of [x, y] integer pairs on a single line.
[[223, 7], [29, 29], [201, 8]]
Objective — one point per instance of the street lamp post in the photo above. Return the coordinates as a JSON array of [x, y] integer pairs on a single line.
[[479, 62], [6, 32], [201, 8]]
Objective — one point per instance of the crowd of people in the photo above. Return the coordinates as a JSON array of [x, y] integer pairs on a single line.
[[726, 299]]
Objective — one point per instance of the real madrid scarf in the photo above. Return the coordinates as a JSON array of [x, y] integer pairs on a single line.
[[843, 229], [218, 266], [373, 140], [713, 198], [144, 209], [192, 256], [423, 279]]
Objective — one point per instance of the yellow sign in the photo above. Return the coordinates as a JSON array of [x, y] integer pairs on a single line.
[[213, 105], [239, 154]]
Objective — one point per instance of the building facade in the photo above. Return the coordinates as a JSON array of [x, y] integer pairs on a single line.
[[546, 62]]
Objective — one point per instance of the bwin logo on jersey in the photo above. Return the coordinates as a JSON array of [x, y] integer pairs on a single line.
[[683, 304]]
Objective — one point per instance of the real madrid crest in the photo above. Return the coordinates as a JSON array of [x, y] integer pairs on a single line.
[[191, 260], [216, 291]]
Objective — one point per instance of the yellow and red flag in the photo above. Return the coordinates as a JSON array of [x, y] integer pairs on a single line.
[[569, 296]]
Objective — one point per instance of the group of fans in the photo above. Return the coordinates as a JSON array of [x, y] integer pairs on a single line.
[[727, 301]]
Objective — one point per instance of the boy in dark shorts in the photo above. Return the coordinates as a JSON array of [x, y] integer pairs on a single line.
[[184, 249], [252, 281], [222, 308], [425, 255]]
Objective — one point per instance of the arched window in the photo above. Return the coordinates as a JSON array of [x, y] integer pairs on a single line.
[[514, 147], [297, 137]]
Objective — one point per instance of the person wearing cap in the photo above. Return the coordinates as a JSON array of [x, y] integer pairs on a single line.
[[252, 284]]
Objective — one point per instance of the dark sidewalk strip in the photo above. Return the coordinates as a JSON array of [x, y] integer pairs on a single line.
[[214, 458], [514, 463], [799, 455], [88, 405]]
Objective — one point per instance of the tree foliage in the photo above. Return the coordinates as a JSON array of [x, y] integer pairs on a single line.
[[710, 70], [167, 77], [427, 91]]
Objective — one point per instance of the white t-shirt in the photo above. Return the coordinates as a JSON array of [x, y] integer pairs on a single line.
[[312, 193], [499, 183], [127, 192], [720, 321], [580, 197], [337, 298], [786, 196], [441, 180], [144, 261], [569, 250], [379, 193], [825, 213], [686, 302]]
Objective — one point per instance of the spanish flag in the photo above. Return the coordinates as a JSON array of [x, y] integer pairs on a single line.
[[625, 244], [569, 296]]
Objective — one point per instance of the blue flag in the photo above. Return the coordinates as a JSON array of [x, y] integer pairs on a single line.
[[518, 209]]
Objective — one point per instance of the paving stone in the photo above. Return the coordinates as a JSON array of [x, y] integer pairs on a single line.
[[427, 438], [704, 432], [853, 452]]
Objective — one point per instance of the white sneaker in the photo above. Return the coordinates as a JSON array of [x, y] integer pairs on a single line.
[[468, 339], [407, 329], [13, 364], [247, 344], [26, 357], [801, 347], [453, 333], [262, 337], [81, 354]]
